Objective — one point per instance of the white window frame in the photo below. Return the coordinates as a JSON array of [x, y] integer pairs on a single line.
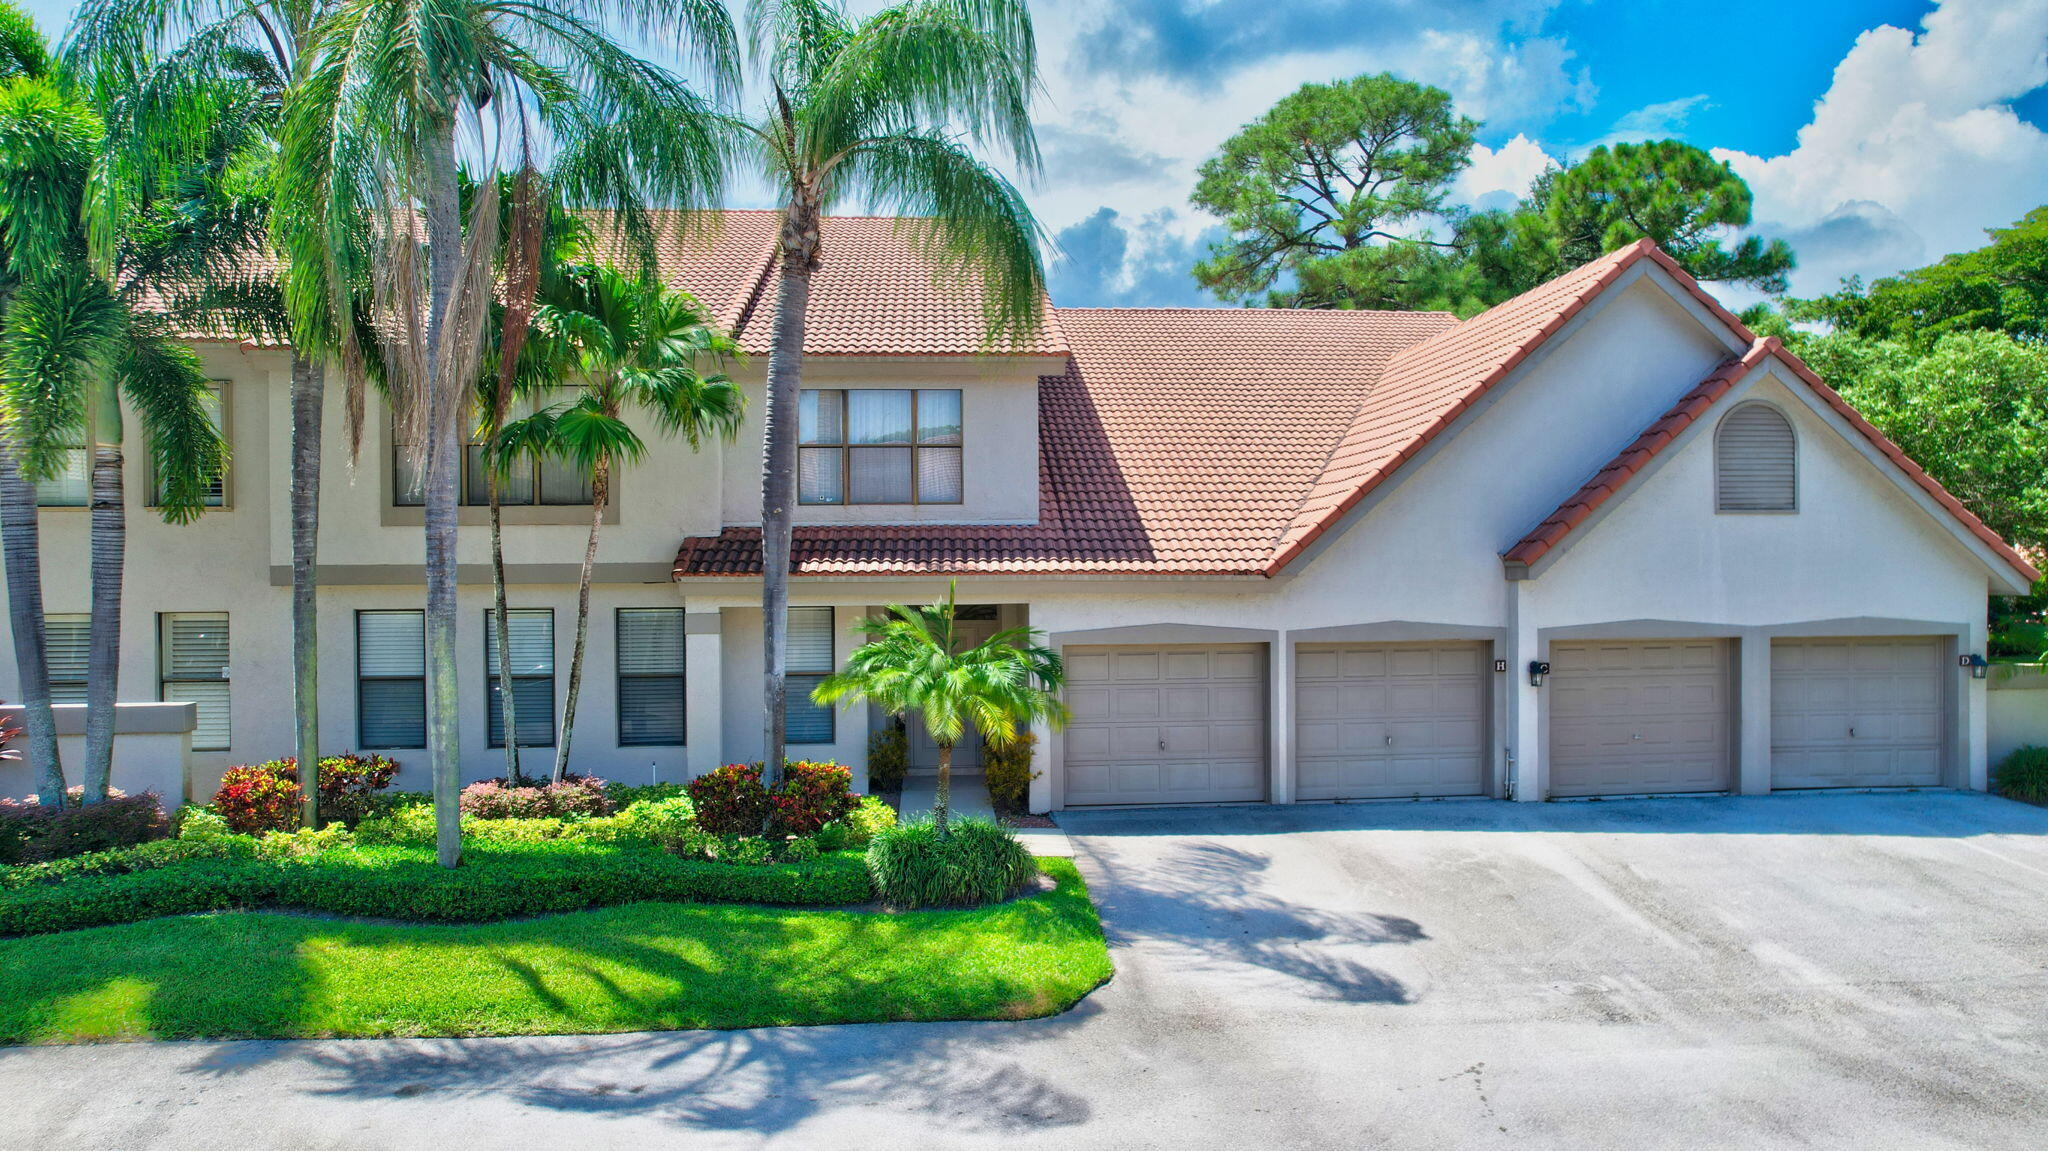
[[799, 680], [362, 739], [71, 688], [173, 688], [680, 675], [917, 445], [494, 715]]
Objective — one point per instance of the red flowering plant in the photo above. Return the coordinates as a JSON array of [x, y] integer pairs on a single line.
[[259, 798], [730, 800], [811, 796]]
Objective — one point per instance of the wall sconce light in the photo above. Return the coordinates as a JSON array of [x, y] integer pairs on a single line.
[[1538, 668], [1500, 665], [1975, 662]]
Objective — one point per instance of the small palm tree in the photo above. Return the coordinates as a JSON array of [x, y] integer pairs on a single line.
[[913, 662], [629, 342], [888, 109]]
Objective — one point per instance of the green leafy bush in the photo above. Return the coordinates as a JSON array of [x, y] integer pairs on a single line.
[[975, 863], [32, 832], [731, 800], [888, 757], [625, 795], [496, 881], [1006, 767], [123, 860], [2024, 775], [657, 820], [869, 818], [305, 843]]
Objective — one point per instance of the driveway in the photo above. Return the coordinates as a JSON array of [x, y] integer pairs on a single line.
[[1846, 970]]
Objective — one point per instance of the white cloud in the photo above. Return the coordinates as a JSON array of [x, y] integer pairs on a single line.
[[1659, 121], [1498, 177], [1914, 145]]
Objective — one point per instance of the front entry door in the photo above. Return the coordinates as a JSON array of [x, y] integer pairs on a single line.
[[924, 754]]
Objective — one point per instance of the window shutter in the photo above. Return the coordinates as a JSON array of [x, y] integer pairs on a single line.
[[533, 642], [1756, 461], [391, 643], [194, 660], [391, 686], [67, 652], [651, 691], [810, 640]]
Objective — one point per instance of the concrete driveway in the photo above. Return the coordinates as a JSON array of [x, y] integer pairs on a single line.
[[1865, 971]]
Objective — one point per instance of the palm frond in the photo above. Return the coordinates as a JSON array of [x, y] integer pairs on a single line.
[[167, 386]]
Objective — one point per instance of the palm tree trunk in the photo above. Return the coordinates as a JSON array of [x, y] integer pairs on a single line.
[[309, 385], [942, 799], [21, 533], [600, 492], [506, 706], [109, 549], [443, 452], [778, 491]]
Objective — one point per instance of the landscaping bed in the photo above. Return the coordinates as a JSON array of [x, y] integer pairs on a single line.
[[641, 966]]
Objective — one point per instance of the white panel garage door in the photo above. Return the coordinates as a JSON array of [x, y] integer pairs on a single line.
[[1856, 713], [1638, 716], [1390, 721], [1166, 724]]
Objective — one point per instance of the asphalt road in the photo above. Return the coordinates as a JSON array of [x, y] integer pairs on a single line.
[[1866, 971]]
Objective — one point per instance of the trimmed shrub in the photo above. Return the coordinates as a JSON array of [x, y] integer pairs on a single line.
[[888, 757], [495, 882], [349, 785], [575, 796], [810, 796], [259, 798], [975, 863], [2023, 775], [625, 795], [37, 833], [868, 818], [657, 820], [1007, 769], [731, 800], [125, 860], [305, 843]]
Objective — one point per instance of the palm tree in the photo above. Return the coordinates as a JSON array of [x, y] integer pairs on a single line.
[[913, 662], [395, 92], [79, 335], [631, 342], [862, 109], [181, 46]]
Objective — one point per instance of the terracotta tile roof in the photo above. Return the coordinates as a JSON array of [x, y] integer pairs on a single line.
[[1610, 480], [1178, 441]]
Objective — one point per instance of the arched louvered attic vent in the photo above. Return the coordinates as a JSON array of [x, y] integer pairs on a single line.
[[1756, 465]]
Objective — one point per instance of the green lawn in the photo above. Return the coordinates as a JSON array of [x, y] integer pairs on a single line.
[[643, 966]]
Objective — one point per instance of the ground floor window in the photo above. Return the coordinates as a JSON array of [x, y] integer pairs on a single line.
[[806, 664], [67, 651], [533, 675], [650, 668], [192, 662], [391, 679]]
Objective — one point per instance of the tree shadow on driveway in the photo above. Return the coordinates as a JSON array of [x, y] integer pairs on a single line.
[[966, 1076]]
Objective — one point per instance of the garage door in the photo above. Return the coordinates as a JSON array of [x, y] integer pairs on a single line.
[[1390, 721], [1166, 724], [1856, 713], [1639, 716]]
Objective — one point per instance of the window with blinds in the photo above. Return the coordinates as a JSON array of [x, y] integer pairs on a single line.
[[650, 667], [192, 664], [391, 679], [527, 482], [806, 662], [217, 413], [67, 650], [71, 486], [533, 675], [1755, 461]]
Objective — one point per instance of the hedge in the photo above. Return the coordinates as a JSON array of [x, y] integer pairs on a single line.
[[494, 882]]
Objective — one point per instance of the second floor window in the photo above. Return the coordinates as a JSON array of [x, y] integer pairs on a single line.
[[216, 411], [547, 482], [71, 487], [879, 446]]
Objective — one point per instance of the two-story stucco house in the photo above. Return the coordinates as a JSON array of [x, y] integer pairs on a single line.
[[1598, 540]]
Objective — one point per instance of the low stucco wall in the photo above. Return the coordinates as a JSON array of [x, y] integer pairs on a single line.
[[152, 751], [2018, 709]]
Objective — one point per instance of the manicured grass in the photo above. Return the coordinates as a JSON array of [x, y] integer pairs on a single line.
[[644, 966]]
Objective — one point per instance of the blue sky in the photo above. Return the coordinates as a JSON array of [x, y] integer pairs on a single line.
[[1877, 134]]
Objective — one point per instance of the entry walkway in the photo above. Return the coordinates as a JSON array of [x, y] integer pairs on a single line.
[[970, 797]]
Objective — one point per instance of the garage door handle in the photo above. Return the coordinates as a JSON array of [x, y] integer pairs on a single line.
[[1852, 733], [1162, 745], [1390, 741]]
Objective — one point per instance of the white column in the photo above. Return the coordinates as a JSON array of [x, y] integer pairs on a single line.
[[851, 726], [1753, 707], [1280, 682], [703, 679], [1041, 766], [1973, 711], [1524, 735]]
